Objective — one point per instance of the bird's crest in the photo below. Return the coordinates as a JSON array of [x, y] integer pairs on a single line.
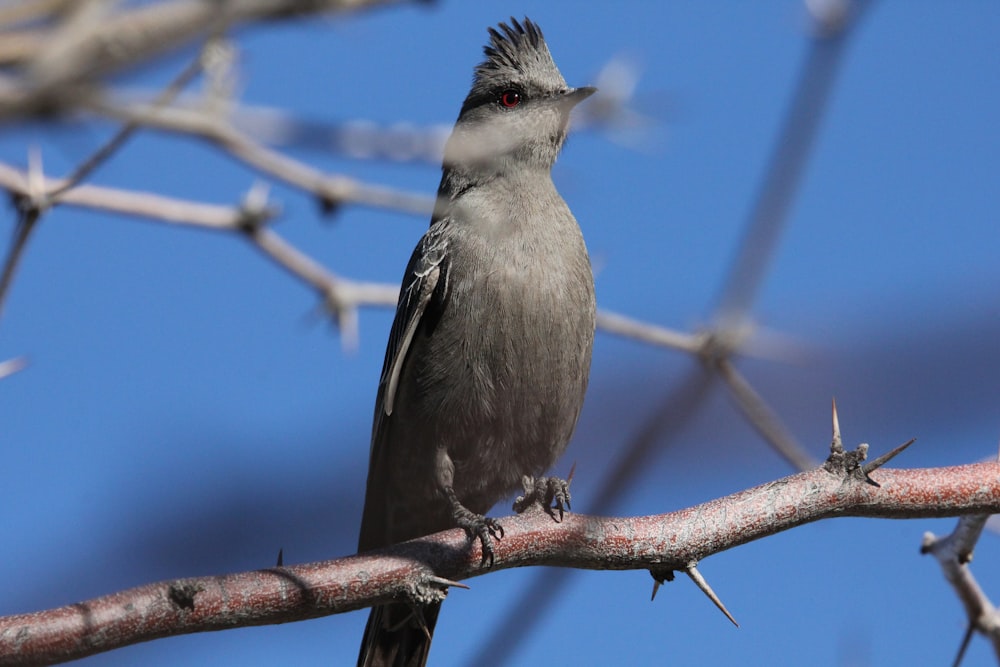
[[518, 46]]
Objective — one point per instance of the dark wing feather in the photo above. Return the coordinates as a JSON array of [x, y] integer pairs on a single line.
[[426, 275], [392, 638]]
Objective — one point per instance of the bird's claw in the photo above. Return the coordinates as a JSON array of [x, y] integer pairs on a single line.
[[487, 530], [484, 528], [552, 493]]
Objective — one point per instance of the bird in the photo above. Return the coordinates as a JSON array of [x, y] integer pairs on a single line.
[[489, 354]]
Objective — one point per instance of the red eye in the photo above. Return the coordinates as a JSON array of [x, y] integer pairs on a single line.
[[510, 98]]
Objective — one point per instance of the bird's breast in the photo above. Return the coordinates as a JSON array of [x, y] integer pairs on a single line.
[[511, 358]]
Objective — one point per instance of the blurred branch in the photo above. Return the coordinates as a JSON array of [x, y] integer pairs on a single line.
[[426, 567], [610, 112], [787, 164], [762, 417], [332, 191], [832, 22], [357, 140], [11, 366], [343, 296], [104, 153], [127, 202], [954, 553], [27, 11], [33, 198], [27, 219], [622, 325], [63, 54]]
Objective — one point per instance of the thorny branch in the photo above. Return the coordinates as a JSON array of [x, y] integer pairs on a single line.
[[428, 566]]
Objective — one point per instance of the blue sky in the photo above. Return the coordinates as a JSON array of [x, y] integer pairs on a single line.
[[186, 413]]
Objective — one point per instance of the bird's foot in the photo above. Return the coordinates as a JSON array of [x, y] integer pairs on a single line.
[[552, 493], [477, 526]]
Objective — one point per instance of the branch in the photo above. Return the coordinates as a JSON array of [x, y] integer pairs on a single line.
[[331, 190], [11, 366], [125, 132], [72, 51], [953, 554], [762, 417], [787, 163], [341, 296], [423, 569], [627, 327]]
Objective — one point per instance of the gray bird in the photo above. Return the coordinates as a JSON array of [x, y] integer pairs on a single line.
[[489, 354]]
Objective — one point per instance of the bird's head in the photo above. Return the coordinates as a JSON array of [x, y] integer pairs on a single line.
[[517, 111]]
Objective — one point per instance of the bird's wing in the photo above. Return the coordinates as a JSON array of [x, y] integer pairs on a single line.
[[426, 276], [422, 296]]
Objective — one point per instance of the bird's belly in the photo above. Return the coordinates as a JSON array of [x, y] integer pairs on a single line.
[[505, 398]]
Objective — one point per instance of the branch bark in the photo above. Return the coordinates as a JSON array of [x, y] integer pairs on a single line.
[[423, 569]]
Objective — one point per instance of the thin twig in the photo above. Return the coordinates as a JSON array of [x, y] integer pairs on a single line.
[[27, 220], [331, 190], [123, 134], [33, 200], [762, 417], [340, 293], [786, 166], [139, 33], [953, 553], [343, 296], [622, 325]]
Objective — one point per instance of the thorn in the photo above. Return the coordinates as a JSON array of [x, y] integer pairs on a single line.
[[837, 445], [572, 471], [281, 558], [875, 464], [447, 583], [659, 576], [692, 571]]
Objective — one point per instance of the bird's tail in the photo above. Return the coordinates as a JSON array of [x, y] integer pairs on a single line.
[[398, 635]]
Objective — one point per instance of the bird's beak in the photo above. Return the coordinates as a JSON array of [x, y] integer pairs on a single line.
[[574, 96]]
